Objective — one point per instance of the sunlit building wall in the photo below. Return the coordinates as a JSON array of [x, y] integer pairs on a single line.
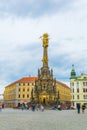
[[78, 85], [19, 92]]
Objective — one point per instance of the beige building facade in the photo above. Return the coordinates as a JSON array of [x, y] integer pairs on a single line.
[[78, 85]]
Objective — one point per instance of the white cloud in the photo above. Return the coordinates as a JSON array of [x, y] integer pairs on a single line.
[[26, 8], [21, 49]]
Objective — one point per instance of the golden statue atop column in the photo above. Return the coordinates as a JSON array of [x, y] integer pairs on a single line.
[[45, 85], [45, 39]]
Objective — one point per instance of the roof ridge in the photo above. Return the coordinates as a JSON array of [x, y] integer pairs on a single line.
[[22, 79], [65, 85]]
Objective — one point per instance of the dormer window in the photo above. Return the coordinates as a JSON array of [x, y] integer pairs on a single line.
[[85, 77]]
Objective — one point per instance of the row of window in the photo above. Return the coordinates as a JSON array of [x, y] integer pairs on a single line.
[[84, 90], [85, 96], [78, 97], [23, 96], [23, 89], [23, 84], [84, 84]]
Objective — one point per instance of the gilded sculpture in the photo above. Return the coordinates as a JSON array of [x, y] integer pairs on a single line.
[[45, 39]]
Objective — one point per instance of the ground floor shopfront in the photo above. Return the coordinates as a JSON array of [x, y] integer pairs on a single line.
[[15, 103], [43, 100], [74, 103]]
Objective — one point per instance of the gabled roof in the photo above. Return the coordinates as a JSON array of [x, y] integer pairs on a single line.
[[24, 80], [32, 79], [27, 79], [63, 84]]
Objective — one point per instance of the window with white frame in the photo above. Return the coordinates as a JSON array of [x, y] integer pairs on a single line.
[[84, 83], [83, 89], [77, 96], [78, 84], [77, 90], [73, 90], [73, 96], [84, 96], [72, 84]]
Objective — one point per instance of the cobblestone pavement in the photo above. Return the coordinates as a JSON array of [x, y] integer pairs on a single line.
[[11, 119]]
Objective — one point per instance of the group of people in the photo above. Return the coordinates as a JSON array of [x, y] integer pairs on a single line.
[[79, 106], [32, 107], [1, 107]]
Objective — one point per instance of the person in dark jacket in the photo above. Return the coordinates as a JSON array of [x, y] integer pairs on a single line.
[[78, 107], [83, 108]]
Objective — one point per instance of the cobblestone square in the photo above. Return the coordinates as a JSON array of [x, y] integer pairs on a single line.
[[14, 119]]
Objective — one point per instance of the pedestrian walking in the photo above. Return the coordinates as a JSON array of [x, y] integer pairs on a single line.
[[0, 108], [37, 107], [78, 108], [23, 107], [33, 107], [59, 107], [3, 106], [42, 108], [83, 108]]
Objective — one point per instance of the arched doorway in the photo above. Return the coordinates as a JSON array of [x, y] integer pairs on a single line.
[[44, 97], [44, 100]]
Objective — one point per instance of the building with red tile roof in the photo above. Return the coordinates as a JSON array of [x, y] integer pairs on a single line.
[[20, 92]]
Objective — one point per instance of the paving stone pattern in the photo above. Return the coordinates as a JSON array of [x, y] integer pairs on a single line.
[[14, 119]]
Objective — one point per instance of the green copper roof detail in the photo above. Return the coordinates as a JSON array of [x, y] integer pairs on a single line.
[[73, 73]]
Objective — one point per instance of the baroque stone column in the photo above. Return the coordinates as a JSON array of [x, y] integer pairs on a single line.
[[45, 86]]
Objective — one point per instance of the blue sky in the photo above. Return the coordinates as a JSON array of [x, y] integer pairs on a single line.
[[22, 22]]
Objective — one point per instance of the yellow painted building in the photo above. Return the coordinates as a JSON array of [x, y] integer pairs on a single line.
[[21, 92], [63, 92]]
